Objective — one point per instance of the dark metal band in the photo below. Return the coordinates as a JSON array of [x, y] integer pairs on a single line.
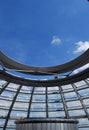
[[67, 67]]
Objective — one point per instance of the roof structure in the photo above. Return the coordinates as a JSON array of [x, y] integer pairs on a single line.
[[64, 97], [70, 66]]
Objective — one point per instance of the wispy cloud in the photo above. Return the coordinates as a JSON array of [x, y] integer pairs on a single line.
[[56, 40], [81, 46]]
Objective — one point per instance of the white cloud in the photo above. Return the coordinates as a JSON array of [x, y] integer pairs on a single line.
[[56, 40], [81, 46]]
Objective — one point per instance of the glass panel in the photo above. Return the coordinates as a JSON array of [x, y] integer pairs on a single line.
[[88, 110], [23, 96], [86, 101], [57, 114], [54, 97], [5, 103], [53, 89], [71, 95], [12, 87], [39, 98], [73, 104], [67, 87], [3, 113], [26, 89], [38, 114], [2, 122], [2, 82], [19, 114], [8, 94], [21, 105], [39, 90], [11, 123], [84, 92], [57, 106], [76, 112], [83, 121], [80, 83], [36, 106]]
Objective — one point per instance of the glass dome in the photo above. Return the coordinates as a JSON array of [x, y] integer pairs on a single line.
[[62, 97]]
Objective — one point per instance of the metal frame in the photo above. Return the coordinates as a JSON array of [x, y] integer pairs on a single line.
[[67, 67], [44, 83], [65, 93], [64, 103], [9, 112], [29, 108]]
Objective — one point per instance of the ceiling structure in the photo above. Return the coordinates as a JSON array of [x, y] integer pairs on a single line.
[[67, 67], [62, 97]]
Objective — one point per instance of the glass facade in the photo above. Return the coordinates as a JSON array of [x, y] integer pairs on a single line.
[[66, 96], [67, 101]]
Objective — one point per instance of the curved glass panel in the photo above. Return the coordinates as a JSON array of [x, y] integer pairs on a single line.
[[66, 101]]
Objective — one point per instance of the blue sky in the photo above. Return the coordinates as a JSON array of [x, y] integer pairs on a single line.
[[44, 32]]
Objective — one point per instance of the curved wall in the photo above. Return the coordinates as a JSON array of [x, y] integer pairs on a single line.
[[46, 124]]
